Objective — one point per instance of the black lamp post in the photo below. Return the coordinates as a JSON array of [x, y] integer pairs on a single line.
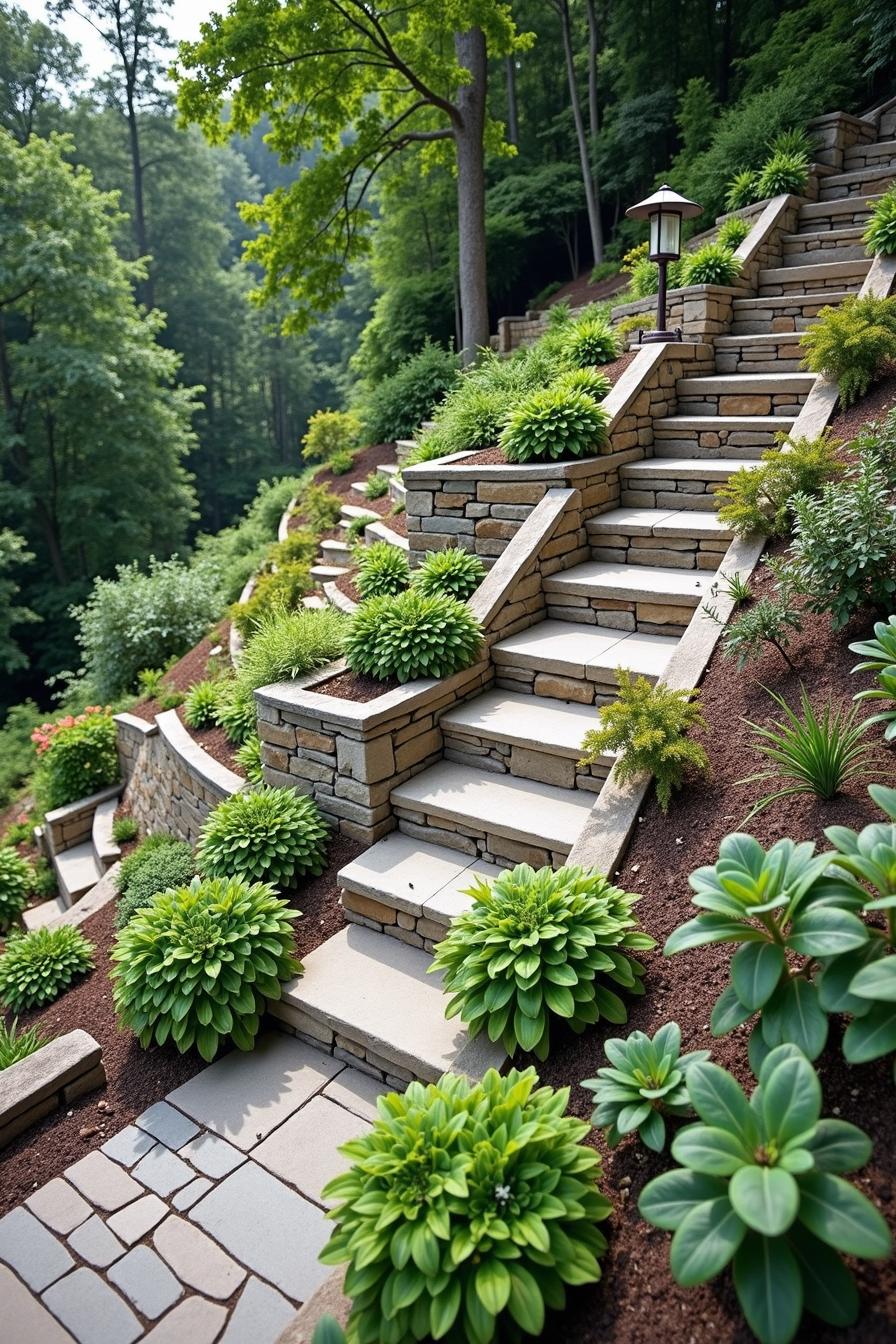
[[665, 210]]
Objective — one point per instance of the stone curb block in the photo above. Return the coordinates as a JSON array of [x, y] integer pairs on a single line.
[[54, 1075]]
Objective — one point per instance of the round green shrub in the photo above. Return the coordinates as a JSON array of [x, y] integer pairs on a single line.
[[412, 635], [782, 174], [742, 190], [376, 485], [198, 963], [733, 232], [298, 548], [711, 264], [453, 572], [81, 759], [280, 590], [341, 463], [201, 704], [272, 835], [880, 231], [382, 569], [590, 381], [15, 885], [330, 433], [39, 965], [467, 1210], [538, 946], [553, 424], [154, 868], [590, 341]]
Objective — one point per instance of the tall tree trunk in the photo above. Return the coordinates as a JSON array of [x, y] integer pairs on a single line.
[[592, 195], [513, 119], [146, 288], [725, 61], [469, 48], [593, 46]]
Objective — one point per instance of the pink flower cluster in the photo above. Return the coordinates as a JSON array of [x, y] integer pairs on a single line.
[[44, 736]]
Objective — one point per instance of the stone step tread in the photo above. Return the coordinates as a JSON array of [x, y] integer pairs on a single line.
[[657, 523], [352, 511], [632, 583], [521, 720], [873, 172], [746, 383], [845, 205], [519, 809], [38, 916], [322, 573], [376, 991], [591, 652], [673, 424], [815, 271], [685, 468], [817, 296], [77, 870], [877, 149], [757, 338], [332, 546], [822, 235], [420, 879]]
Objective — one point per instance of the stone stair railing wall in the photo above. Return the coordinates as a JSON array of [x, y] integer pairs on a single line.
[[77, 841]]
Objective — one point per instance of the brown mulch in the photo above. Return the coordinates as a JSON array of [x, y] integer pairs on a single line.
[[368, 460], [397, 523], [189, 669], [346, 585], [355, 686], [877, 401], [136, 1078], [216, 743], [580, 291]]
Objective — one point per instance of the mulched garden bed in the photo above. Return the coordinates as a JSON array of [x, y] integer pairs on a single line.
[[346, 585], [189, 669], [580, 291], [136, 1078], [370, 459], [355, 686], [216, 743]]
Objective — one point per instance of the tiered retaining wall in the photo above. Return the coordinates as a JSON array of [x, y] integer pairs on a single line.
[[71, 825]]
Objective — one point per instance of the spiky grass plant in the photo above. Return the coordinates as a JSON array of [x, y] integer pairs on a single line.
[[783, 173], [124, 829], [16, 877], [412, 635], [249, 757], [742, 190], [712, 264], [539, 946], [271, 835], [552, 424], [589, 381], [16, 1044], [382, 570], [453, 572], [733, 232], [40, 965], [286, 646], [588, 341], [197, 965], [201, 703], [376, 485], [235, 711], [646, 1080]]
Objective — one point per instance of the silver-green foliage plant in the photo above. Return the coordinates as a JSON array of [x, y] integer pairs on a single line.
[[16, 877], [468, 1210], [197, 965], [552, 424], [38, 966], [760, 1187], [382, 569], [159, 864], [453, 572], [270, 835], [879, 654], [646, 1080], [412, 635], [880, 231], [537, 947]]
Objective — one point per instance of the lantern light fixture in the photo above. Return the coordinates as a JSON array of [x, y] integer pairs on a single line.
[[664, 210]]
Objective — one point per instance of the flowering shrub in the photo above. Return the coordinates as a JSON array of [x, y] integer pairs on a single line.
[[78, 756]]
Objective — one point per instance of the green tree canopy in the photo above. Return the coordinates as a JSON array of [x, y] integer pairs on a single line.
[[35, 64]]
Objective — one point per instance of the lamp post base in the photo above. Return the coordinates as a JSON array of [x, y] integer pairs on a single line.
[[644, 337]]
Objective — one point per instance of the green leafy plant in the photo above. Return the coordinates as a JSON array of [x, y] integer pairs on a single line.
[[382, 569], [80, 758], [453, 572], [733, 232], [197, 965], [880, 657], [539, 946], [783, 173], [201, 703], [249, 757], [470, 417], [453, 1219], [299, 547], [149, 682], [743, 190], [16, 1043], [160, 863], [272, 835], [759, 1185], [124, 829], [647, 1079], [412, 635], [817, 753], [772, 619], [43, 879], [711, 264], [275, 591], [590, 341], [355, 530], [341, 463], [590, 381], [235, 711], [851, 344], [286, 645], [735, 586], [376, 485], [646, 276], [553, 424], [635, 322], [760, 499], [880, 231], [320, 506], [330, 433], [648, 725], [397, 405], [792, 140], [39, 965], [328, 1331], [15, 885]]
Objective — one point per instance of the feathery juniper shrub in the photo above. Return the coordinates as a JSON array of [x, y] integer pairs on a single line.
[[412, 635], [270, 835], [37, 966], [760, 499], [645, 1082], [329, 434]]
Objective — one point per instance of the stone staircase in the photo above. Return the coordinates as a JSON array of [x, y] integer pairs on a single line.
[[335, 554], [510, 788]]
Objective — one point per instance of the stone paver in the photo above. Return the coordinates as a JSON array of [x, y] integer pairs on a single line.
[[187, 1197], [523, 720], [194, 1321], [357, 1092], [212, 1155], [304, 1151], [243, 1097], [25, 1320], [96, 1244], [103, 1183], [167, 1125], [259, 1317], [242, 1210], [198, 1261], [128, 1146], [134, 1221], [59, 1206], [404, 870], [32, 1251], [147, 1281], [91, 1310], [162, 1171]]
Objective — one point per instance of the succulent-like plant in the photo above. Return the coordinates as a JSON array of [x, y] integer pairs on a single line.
[[197, 965], [551, 424], [382, 570], [412, 635], [742, 190], [880, 657], [588, 341], [453, 572], [646, 1080], [538, 946], [467, 1210], [249, 757], [159, 864], [201, 703], [760, 1185], [592, 382], [269, 835], [15, 885], [880, 231], [39, 965]]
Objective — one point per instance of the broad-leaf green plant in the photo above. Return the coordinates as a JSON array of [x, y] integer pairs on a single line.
[[412, 635], [645, 1081], [16, 878], [880, 231], [879, 656], [382, 570], [453, 572], [267, 834], [553, 424]]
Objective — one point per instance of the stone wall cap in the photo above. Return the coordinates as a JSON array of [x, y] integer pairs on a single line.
[[136, 724], [194, 756], [47, 1070], [81, 805]]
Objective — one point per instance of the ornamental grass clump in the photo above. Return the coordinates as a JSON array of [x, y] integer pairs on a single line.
[[286, 646], [16, 1044], [197, 965], [453, 572], [38, 966], [742, 190], [645, 1081], [16, 880], [783, 173], [551, 424], [852, 343], [270, 835], [733, 232], [759, 1187], [590, 381], [540, 946], [412, 635], [712, 264], [382, 570], [467, 1210], [589, 341]]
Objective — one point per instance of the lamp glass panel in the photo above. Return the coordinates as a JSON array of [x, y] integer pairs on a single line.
[[670, 233]]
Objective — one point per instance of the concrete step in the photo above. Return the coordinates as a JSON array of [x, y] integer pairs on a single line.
[[76, 871], [334, 552], [762, 352], [582, 653], [781, 312], [878, 151], [105, 850], [352, 511], [371, 1000], [39, 916], [656, 584], [665, 523], [498, 806], [818, 215], [325, 573], [742, 384], [818, 245], [314, 603], [713, 436], [381, 531], [813, 277], [537, 726], [858, 182], [677, 482]]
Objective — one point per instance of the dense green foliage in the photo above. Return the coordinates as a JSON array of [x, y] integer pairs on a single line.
[[80, 759], [646, 1080], [36, 967], [197, 964], [270, 835], [880, 231], [160, 863], [879, 654], [285, 647], [15, 885], [711, 264], [759, 499], [483, 1237], [18, 1042], [399, 403], [553, 424], [382, 570], [412, 635], [453, 572], [201, 703], [330, 433], [851, 343]]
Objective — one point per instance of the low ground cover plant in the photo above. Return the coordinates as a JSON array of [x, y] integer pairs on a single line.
[[538, 947], [124, 829], [760, 499], [760, 1188], [249, 757], [880, 231], [376, 485], [879, 654], [412, 635], [158, 864], [452, 1221], [16, 878], [271, 835], [329, 434], [382, 570], [37, 966], [648, 726], [197, 965], [552, 424], [851, 343], [18, 1042], [453, 572], [646, 1080], [77, 756]]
